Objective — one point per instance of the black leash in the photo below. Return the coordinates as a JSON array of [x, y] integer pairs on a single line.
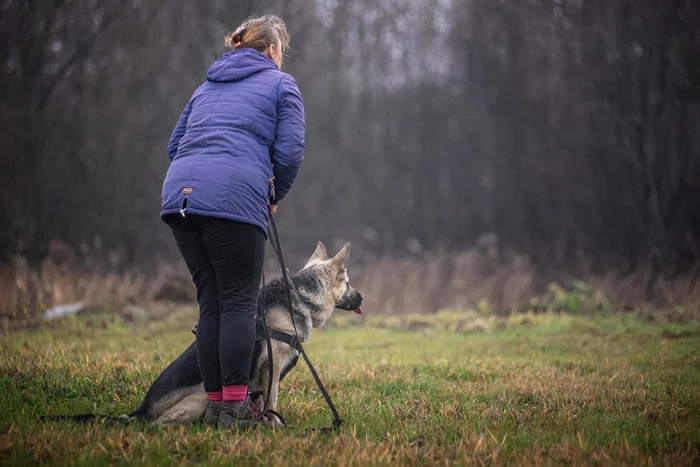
[[276, 245], [266, 331]]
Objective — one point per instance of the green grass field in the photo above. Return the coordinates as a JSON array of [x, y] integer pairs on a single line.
[[453, 388]]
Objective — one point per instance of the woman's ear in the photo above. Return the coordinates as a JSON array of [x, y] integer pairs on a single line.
[[275, 53]]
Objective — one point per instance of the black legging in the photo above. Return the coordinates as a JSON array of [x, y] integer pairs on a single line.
[[225, 259]]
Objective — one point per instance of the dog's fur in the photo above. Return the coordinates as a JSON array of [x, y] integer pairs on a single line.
[[178, 396]]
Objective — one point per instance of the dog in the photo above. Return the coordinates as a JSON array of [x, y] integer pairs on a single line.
[[177, 395]]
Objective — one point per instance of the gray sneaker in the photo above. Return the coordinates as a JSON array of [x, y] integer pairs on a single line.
[[211, 416], [241, 414]]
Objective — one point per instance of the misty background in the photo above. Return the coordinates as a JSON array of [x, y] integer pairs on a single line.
[[468, 149]]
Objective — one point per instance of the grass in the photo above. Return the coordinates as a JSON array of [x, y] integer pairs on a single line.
[[452, 388]]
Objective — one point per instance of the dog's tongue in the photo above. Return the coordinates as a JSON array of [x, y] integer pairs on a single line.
[[358, 310]]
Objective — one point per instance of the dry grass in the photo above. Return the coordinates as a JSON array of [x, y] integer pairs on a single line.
[[665, 292], [481, 278], [443, 280], [27, 293]]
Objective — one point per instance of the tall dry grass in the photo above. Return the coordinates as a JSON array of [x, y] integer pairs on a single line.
[[482, 278], [472, 279], [28, 292]]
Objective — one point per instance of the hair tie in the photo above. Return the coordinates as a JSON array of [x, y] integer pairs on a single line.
[[238, 44]]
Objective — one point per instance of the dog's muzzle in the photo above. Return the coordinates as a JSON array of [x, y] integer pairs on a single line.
[[350, 301]]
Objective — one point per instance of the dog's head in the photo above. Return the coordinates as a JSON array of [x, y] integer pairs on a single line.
[[334, 272]]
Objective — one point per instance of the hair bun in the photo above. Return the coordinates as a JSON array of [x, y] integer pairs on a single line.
[[238, 35], [235, 37]]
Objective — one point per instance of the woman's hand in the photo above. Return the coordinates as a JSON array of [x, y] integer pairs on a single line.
[[273, 208]]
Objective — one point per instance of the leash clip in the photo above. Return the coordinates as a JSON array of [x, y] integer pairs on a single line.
[[183, 209], [273, 196]]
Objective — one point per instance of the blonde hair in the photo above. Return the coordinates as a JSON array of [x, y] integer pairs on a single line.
[[258, 33]]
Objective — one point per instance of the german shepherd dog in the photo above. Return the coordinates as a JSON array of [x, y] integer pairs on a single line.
[[177, 395]]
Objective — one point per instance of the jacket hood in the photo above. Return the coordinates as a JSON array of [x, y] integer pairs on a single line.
[[239, 64]]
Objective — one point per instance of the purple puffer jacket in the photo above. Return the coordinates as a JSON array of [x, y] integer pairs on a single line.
[[241, 127]]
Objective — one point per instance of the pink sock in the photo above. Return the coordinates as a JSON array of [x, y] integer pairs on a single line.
[[217, 396], [235, 393]]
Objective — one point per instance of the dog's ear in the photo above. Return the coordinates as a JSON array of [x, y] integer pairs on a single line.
[[318, 256], [320, 252], [340, 261]]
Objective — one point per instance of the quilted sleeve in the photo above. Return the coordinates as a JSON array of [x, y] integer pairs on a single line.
[[179, 131], [288, 149]]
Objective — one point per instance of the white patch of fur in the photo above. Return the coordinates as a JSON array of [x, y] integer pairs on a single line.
[[343, 289], [182, 406]]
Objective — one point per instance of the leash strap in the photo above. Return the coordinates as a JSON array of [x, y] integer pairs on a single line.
[[266, 332], [276, 245], [289, 339]]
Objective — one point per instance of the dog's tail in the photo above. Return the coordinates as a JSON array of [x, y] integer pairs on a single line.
[[89, 417]]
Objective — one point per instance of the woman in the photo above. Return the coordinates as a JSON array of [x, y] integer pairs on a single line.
[[235, 153]]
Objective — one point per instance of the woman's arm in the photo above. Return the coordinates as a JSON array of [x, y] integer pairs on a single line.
[[288, 148], [179, 132]]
